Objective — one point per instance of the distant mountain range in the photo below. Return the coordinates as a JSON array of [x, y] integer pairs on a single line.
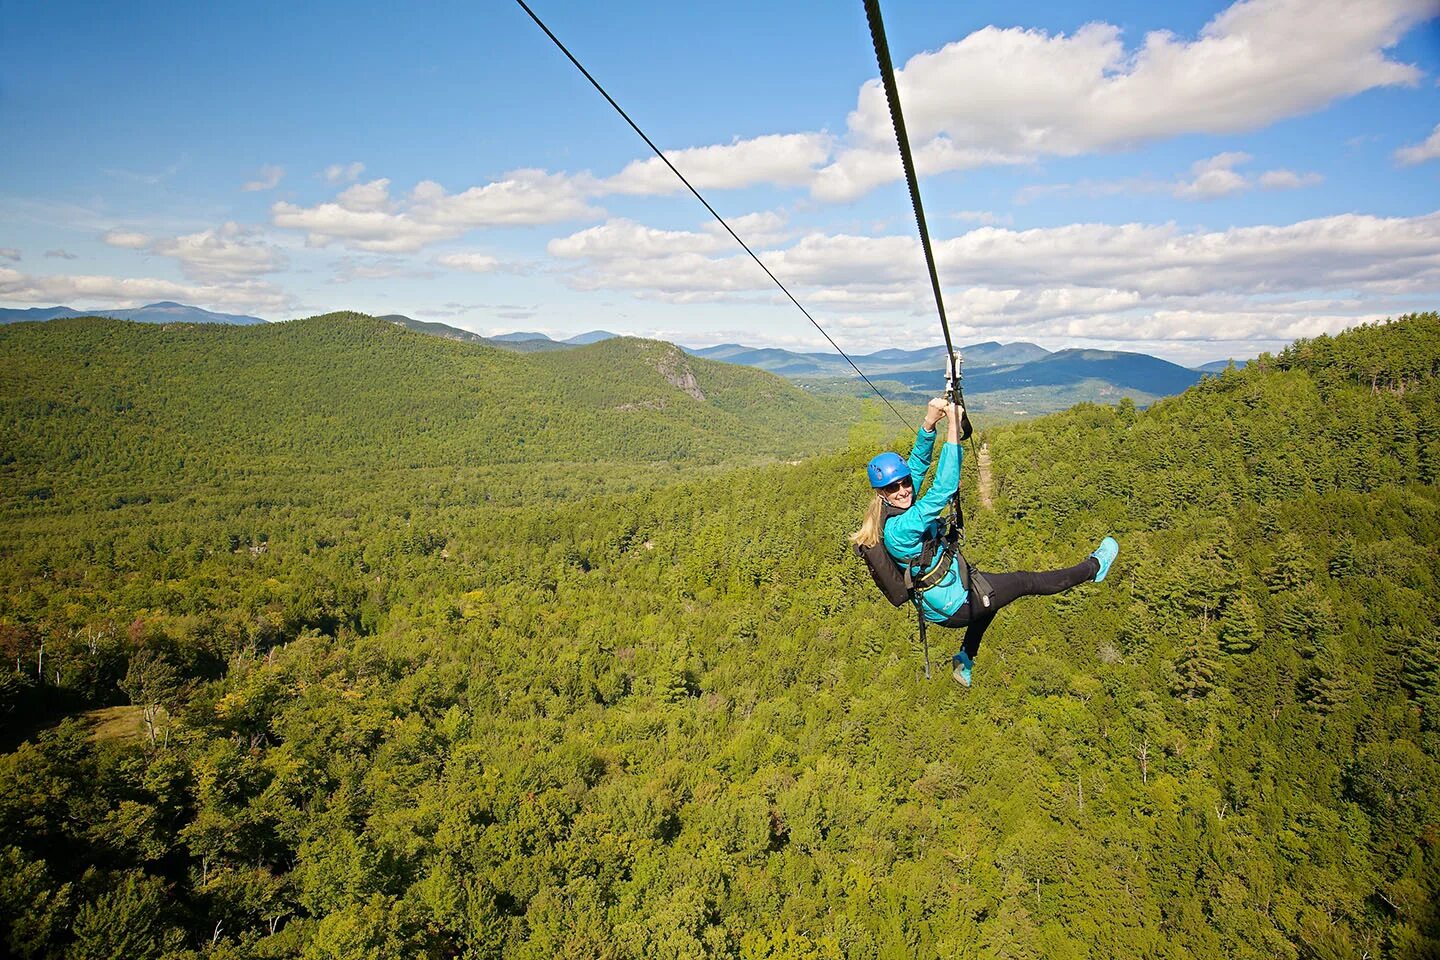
[[520, 342], [1020, 378], [885, 363], [1017, 378], [1218, 366], [536, 342], [166, 311]]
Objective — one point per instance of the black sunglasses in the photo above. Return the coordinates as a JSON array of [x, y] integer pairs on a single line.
[[895, 487]]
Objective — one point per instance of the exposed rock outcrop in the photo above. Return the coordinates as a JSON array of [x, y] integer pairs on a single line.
[[675, 368]]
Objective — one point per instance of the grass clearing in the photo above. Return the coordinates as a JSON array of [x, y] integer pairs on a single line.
[[116, 723]]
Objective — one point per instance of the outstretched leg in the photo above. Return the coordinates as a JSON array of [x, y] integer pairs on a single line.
[[1009, 587], [1006, 588]]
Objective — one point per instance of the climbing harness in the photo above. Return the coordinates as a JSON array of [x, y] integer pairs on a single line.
[[908, 582]]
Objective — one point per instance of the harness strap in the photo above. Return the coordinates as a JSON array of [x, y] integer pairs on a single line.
[[937, 573], [977, 585], [924, 641]]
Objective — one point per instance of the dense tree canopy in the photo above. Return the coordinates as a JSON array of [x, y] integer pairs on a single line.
[[397, 694]]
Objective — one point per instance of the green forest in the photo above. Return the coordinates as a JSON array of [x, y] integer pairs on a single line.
[[332, 640]]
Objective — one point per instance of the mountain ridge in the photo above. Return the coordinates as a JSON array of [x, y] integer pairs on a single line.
[[211, 396], [162, 311], [1017, 378]]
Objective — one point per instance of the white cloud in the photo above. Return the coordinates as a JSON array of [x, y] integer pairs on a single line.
[[1288, 179], [1348, 251], [1215, 177], [1280, 324], [471, 262], [1420, 152], [522, 198], [628, 240], [692, 265], [348, 269], [858, 170], [1208, 179], [9, 253], [855, 321], [366, 197], [270, 177], [344, 172], [1127, 281], [229, 250], [756, 229], [224, 252], [787, 159], [1029, 94], [376, 230], [58, 254], [126, 239], [674, 265], [149, 179], [679, 265], [247, 296], [853, 262], [366, 217]]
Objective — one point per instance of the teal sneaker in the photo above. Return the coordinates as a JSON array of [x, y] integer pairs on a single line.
[[961, 663], [1105, 553]]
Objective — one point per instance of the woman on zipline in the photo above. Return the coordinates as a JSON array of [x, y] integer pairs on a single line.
[[910, 528]]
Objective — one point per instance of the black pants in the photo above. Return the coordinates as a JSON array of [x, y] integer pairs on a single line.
[[1008, 587]]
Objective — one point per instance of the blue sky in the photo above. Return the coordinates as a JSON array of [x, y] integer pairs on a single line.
[[1192, 180]]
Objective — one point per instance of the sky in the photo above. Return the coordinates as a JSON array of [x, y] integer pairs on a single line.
[[1192, 180]]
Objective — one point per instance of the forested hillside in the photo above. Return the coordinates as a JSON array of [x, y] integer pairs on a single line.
[[388, 719], [103, 409]]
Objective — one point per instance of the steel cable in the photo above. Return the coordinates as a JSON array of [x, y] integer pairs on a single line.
[[666, 160]]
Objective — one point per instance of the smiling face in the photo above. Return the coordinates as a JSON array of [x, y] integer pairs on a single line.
[[899, 494]]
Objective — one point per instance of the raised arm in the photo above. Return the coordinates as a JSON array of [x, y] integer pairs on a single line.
[[947, 473], [924, 447], [905, 533]]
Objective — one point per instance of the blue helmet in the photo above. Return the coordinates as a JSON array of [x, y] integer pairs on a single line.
[[886, 468]]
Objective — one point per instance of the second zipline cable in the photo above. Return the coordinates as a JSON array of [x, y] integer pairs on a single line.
[[666, 160]]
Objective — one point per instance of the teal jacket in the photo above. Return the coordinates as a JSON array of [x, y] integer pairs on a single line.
[[906, 533]]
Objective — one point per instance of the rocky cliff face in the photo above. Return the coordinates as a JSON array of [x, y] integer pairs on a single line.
[[673, 366]]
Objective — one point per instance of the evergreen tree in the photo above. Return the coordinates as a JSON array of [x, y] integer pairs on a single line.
[[1421, 676], [1343, 563], [1240, 629], [1291, 567], [1197, 669], [1326, 683], [1304, 619]]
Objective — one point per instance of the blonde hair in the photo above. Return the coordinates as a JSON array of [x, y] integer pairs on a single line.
[[873, 526]]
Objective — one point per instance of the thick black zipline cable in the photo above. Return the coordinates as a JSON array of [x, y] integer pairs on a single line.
[[633, 126], [892, 94], [902, 139]]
